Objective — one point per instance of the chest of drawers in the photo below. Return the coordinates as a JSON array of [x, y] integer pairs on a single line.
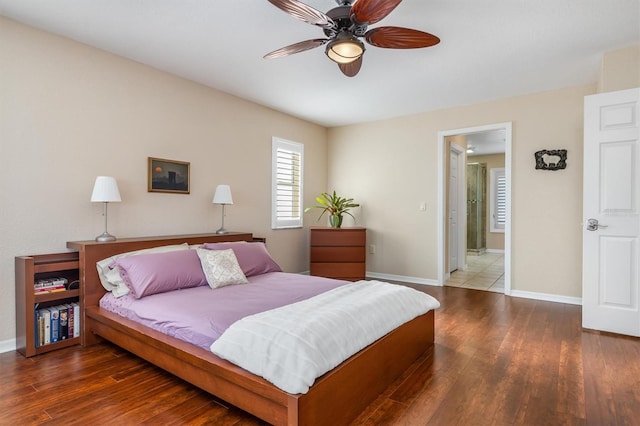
[[338, 252]]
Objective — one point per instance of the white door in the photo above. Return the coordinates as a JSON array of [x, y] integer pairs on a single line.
[[453, 208], [611, 243]]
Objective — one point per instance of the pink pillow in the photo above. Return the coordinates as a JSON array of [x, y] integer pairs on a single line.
[[253, 258], [148, 274]]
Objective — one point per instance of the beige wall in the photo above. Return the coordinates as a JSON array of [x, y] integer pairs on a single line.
[[69, 112], [399, 159], [620, 70], [495, 240]]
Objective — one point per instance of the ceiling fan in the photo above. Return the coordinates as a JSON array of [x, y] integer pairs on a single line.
[[345, 25]]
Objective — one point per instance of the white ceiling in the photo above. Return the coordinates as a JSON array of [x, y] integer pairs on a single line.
[[486, 143], [490, 49]]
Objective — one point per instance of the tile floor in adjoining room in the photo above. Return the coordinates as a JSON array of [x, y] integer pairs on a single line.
[[484, 272]]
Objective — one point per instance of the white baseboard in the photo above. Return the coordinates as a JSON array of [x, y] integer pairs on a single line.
[[8, 345], [514, 293], [547, 297], [402, 278], [496, 251]]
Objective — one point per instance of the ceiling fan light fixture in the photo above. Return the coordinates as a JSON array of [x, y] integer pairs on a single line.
[[344, 49]]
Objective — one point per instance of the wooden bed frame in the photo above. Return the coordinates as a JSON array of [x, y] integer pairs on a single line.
[[336, 398]]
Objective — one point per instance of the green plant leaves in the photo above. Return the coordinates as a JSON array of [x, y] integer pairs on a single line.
[[333, 204]]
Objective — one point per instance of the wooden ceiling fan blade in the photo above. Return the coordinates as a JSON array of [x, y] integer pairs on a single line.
[[400, 38], [296, 48], [371, 11], [352, 68], [303, 12]]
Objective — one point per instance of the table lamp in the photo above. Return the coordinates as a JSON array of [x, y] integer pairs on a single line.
[[222, 196], [105, 190]]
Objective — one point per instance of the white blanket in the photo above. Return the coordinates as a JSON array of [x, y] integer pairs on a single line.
[[293, 345]]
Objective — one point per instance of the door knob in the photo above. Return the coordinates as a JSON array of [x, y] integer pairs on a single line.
[[593, 225]]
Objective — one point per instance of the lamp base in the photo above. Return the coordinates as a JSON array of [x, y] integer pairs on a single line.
[[104, 237], [222, 231]]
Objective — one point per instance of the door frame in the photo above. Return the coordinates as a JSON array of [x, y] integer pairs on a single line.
[[442, 210]]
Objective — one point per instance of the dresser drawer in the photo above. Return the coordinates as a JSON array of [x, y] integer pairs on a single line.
[[338, 237], [339, 270], [338, 254]]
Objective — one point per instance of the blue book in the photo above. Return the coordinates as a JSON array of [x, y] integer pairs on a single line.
[[36, 328], [63, 321], [55, 324]]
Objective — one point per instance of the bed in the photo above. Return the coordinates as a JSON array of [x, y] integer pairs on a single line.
[[337, 397]]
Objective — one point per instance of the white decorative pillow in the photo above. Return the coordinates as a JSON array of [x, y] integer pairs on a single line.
[[221, 268]]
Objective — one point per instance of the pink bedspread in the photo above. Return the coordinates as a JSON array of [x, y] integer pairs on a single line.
[[200, 315]]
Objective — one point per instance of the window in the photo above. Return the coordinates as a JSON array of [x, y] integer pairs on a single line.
[[286, 184], [498, 200]]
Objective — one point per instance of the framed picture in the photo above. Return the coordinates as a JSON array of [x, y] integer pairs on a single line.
[[168, 176], [554, 159]]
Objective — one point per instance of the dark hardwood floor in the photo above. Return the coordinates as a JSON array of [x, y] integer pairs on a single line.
[[497, 361]]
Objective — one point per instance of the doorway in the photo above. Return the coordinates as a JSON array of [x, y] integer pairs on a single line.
[[479, 142]]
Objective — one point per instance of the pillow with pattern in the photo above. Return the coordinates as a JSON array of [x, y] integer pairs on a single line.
[[221, 268], [253, 258]]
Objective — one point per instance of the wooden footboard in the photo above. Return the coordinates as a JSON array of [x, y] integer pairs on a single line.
[[342, 394], [194, 365], [336, 398]]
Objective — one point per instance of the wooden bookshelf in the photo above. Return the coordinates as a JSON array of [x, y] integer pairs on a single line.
[[28, 270]]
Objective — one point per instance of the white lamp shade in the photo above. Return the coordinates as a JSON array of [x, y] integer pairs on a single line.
[[105, 190], [222, 195]]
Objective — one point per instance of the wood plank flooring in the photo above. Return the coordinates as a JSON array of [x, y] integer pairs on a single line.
[[497, 361]]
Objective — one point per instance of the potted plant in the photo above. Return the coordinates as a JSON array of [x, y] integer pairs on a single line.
[[335, 205]]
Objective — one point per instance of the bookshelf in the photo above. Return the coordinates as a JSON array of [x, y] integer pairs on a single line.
[[30, 269]]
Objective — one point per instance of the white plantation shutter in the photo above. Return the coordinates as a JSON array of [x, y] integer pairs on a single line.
[[498, 200], [286, 192]]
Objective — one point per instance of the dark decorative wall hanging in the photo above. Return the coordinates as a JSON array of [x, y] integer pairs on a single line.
[[554, 159], [168, 176]]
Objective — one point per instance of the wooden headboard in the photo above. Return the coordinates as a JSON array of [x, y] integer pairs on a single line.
[[90, 252]]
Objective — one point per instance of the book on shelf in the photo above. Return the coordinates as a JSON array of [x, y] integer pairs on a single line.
[[55, 324], [49, 290], [50, 285], [76, 319], [38, 329], [50, 282], [63, 316], [41, 329], [70, 318], [46, 314], [36, 336]]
